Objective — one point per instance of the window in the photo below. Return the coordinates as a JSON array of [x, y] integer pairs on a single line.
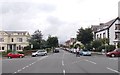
[[1, 39], [97, 36], [103, 35], [12, 40], [2, 48], [117, 35], [19, 39], [19, 47], [117, 26], [27, 39], [100, 35]]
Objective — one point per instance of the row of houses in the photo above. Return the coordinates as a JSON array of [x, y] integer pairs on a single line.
[[13, 40], [17, 40], [110, 30]]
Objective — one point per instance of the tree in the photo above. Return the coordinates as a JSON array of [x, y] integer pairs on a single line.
[[96, 44], [52, 42], [85, 36], [43, 44], [36, 39], [104, 41]]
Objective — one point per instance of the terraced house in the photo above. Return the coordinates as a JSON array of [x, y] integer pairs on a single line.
[[13, 40], [110, 30]]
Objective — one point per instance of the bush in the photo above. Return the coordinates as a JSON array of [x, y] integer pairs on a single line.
[[21, 52], [48, 49], [88, 46], [110, 48], [96, 44], [100, 48], [27, 48], [8, 51], [4, 54]]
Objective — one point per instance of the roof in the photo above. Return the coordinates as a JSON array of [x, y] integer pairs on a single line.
[[10, 32], [104, 26]]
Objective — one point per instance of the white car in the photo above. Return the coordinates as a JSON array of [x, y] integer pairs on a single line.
[[72, 50], [85, 52], [39, 53]]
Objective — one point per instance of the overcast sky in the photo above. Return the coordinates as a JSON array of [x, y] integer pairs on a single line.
[[60, 18]]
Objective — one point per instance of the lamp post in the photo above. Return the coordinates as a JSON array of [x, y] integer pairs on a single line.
[[31, 45], [106, 47]]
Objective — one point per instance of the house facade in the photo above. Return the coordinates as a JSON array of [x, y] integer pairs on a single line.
[[13, 40], [110, 30], [70, 42]]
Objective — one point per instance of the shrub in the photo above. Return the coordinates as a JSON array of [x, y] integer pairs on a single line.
[[96, 44], [88, 46], [100, 48], [8, 51], [110, 48], [27, 48], [4, 54], [21, 52], [48, 49]]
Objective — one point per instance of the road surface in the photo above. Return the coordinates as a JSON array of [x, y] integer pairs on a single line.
[[63, 63]]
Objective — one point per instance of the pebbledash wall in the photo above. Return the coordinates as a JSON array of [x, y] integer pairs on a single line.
[[13, 40]]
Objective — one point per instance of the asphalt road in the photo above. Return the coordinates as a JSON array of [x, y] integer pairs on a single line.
[[63, 63]]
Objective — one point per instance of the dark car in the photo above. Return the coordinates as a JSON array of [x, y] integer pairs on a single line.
[[56, 50], [115, 53], [15, 55]]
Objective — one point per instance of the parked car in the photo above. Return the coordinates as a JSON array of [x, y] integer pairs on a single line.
[[114, 53], [15, 55], [72, 50], [56, 50], [85, 52], [39, 53]]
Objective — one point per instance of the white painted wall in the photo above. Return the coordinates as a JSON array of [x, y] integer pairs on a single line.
[[112, 33], [106, 34], [7, 40]]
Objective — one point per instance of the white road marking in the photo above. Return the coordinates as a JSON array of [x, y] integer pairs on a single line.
[[112, 70], [90, 61], [64, 72], [15, 72], [41, 58], [19, 70], [62, 63], [75, 62], [27, 66], [30, 64], [113, 58], [23, 67], [33, 63], [63, 58]]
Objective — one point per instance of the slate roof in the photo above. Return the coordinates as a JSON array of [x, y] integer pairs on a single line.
[[104, 26]]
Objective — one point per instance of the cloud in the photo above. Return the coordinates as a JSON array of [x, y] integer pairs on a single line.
[[23, 7], [22, 15], [60, 18]]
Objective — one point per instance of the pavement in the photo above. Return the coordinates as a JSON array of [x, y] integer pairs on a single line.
[[63, 63]]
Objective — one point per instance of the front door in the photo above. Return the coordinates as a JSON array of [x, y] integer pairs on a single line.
[[11, 47]]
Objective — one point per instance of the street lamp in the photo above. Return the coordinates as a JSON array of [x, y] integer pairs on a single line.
[[31, 45]]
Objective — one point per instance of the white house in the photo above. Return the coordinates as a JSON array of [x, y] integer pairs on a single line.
[[13, 40], [110, 30]]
